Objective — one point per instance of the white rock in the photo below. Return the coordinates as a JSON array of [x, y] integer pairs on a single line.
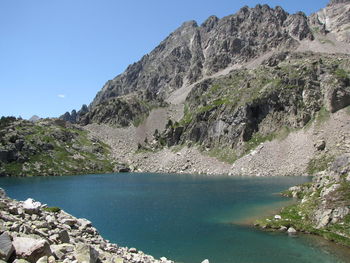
[[205, 261], [291, 231], [30, 206], [278, 217], [84, 223]]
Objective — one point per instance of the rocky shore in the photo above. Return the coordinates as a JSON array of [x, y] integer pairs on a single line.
[[32, 232], [323, 208]]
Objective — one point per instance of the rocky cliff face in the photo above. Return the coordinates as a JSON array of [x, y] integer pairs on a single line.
[[194, 51], [334, 19], [246, 107]]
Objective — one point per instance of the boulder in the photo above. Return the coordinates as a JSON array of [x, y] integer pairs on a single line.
[[63, 236], [283, 228], [31, 249], [338, 98], [277, 217], [320, 145], [291, 231], [2, 193], [85, 254], [31, 207], [6, 247], [205, 261], [84, 223], [59, 251], [132, 250]]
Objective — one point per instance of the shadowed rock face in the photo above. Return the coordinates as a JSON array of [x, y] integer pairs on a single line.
[[193, 51]]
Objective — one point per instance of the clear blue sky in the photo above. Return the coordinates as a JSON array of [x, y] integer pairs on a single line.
[[55, 55]]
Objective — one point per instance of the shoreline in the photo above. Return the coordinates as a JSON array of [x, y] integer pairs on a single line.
[[32, 232]]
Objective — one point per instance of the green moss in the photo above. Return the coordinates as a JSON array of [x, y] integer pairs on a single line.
[[53, 209], [224, 154], [256, 140], [187, 118], [319, 163], [341, 73]]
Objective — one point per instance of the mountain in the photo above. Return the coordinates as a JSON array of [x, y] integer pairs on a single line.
[[261, 92], [34, 118]]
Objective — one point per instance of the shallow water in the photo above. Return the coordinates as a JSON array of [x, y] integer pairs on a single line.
[[182, 217]]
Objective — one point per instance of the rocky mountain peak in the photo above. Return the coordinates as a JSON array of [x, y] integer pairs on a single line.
[[192, 52], [334, 2]]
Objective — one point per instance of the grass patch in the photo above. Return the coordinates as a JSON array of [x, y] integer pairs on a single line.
[[341, 73], [256, 140], [319, 163], [224, 154], [53, 209]]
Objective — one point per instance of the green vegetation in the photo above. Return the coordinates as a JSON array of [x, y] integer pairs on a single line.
[[187, 119], [319, 163], [5, 121], [301, 215], [224, 154], [53, 209], [341, 73], [256, 140], [51, 148]]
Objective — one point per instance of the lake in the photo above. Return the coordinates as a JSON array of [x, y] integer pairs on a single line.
[[186, 218]]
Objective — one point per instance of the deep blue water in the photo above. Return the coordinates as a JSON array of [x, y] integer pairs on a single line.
[[185, 218]]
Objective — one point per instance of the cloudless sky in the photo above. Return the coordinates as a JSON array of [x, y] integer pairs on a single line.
[[55, 55]]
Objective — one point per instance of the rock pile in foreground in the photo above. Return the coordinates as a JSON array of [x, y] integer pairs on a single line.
[[31, 232]]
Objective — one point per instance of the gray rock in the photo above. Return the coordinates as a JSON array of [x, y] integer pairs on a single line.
[[60, 251], [6, 247], [69, 221], [63, 236], [338, 98], [85, 254], [339, 213], [320, 145], [2, 193], [84, 223], [132, 250], [31, 249], [283, 228]]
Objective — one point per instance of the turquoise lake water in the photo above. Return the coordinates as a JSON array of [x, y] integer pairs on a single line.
[[182, 217]]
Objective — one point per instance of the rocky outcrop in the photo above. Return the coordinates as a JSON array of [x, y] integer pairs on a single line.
[[324, 204], [36, 237], [247, 106], [333, 19], [49, 147], [194, 51]]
